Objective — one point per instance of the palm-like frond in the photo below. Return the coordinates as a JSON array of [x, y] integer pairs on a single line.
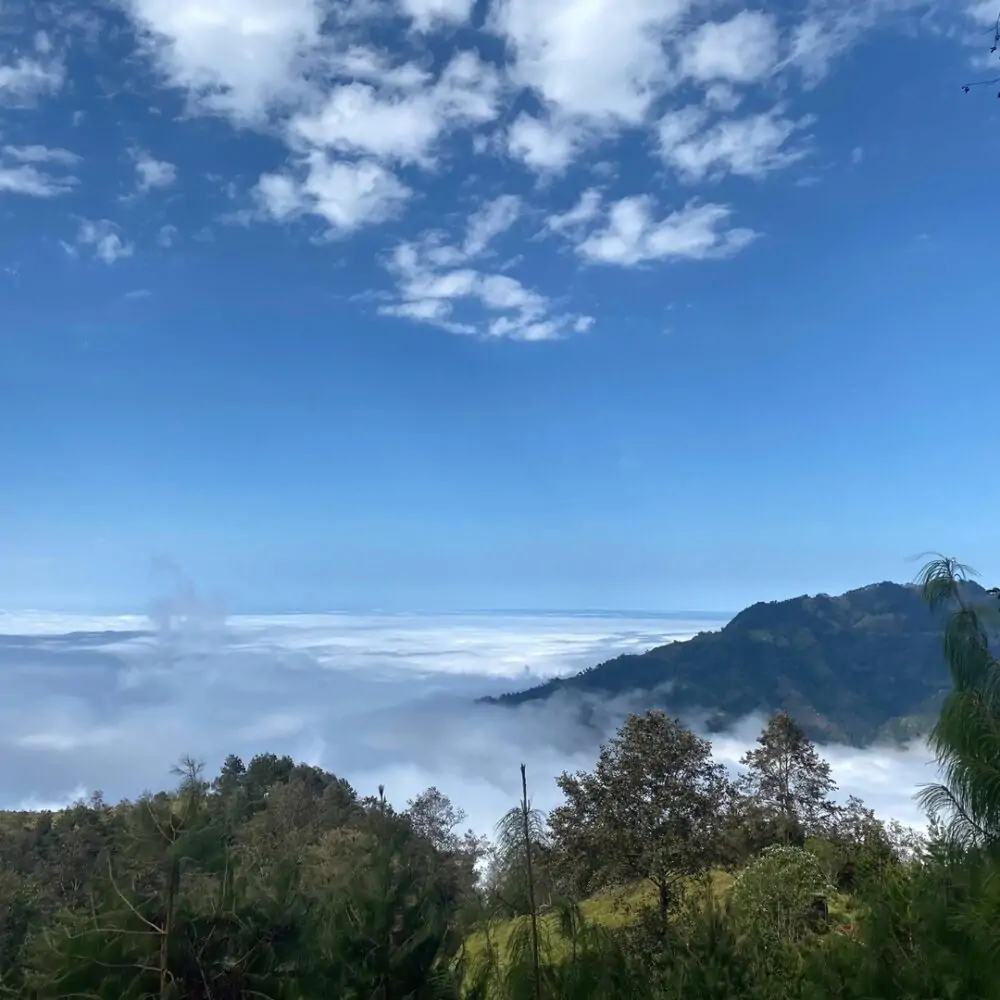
[[966, 737]]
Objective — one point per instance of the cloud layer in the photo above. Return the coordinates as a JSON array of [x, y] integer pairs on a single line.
[[111, 703]]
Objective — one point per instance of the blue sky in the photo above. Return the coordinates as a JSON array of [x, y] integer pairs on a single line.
[[434, 304]]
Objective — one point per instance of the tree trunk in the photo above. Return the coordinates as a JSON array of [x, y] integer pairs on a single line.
[[531, 886], [663, 902], [173, 875]]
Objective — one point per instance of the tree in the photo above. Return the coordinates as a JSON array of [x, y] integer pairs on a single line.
[[434, 816], [651, 810], [264, 771], [519, 834], [393, 909], [231, 776], [966, 736], [776, 893], [518, 877], [788, 779]]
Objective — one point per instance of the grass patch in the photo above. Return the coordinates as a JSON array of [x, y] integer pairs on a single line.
[[611, 909]]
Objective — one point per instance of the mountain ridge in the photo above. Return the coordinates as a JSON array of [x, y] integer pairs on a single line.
[[858, 667]]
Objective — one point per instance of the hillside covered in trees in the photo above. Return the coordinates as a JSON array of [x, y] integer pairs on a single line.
[[856, 668], [275, 879]]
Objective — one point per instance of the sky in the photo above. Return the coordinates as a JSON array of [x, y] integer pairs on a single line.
[[377, 699], [442, 304]]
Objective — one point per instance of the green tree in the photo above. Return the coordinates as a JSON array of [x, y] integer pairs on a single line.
[[231, 776], [775, 893], [966, 736], [650, 810], [518, 875], [393, 910], [436, 819], [788, 780]]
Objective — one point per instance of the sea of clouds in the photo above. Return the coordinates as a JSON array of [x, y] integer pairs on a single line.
[[111, 703]]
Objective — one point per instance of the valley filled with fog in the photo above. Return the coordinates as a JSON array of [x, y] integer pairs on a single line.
[[110, 703]]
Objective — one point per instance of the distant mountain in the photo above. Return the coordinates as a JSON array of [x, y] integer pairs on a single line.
[[864, 666]]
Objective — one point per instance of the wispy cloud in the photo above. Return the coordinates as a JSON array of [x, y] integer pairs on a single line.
[[33, 171], [434, 277], [749, 147], [742, 50], [41, 154], [102, 239], [151, 172], [346, 196], [27, 78], [628, 232], [167, 236], [28, 180]]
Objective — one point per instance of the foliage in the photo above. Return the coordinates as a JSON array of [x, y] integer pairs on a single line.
[[775, 896], [788, 780], [966, 737], [650, 810]]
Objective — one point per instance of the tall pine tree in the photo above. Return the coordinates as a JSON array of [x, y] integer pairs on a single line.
[[787, 780]]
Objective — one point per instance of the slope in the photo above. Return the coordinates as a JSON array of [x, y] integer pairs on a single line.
[[863, 666]]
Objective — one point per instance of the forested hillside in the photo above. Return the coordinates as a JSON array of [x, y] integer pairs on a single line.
[[277, 879], [855, 668]]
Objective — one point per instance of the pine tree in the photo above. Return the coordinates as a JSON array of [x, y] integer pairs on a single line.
[[788, 780]]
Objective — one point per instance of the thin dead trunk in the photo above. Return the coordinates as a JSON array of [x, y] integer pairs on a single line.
[[531, 886], [173, 875]]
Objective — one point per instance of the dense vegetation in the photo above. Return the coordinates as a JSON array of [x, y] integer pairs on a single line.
[[856, 668], [659, 876]]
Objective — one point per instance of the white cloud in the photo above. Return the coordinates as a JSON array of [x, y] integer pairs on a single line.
[[27, 79], [586, 210], [830, 28], [361, 62], [492, 220], [240, 58], [152, 173], [27, 179], [722, 97], [167, 236], [434, 278], [374, 699], [545, 145], [28, 170], [427, 14], [680, 125], [41, 154], [632, 235], [402, 124], [101, 237], [362, 125], [741, 50], [600, 67], [603, 60], [983, 12], [346, 195], [748, 147]]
